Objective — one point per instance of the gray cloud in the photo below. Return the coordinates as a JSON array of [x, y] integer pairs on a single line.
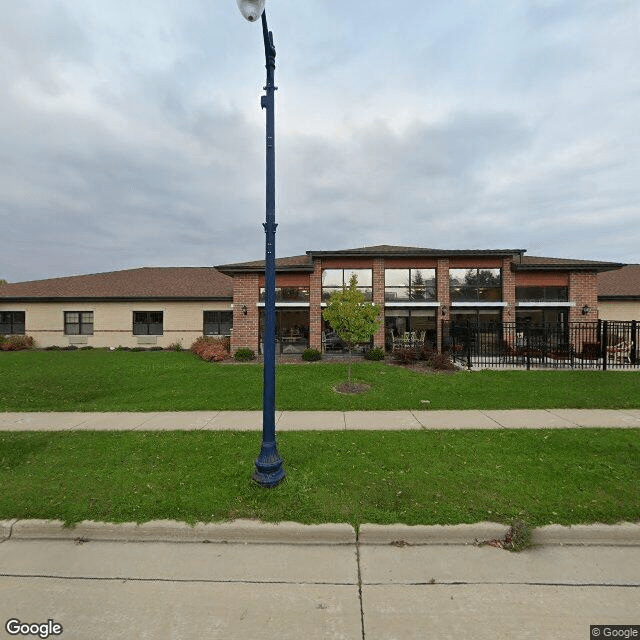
[[132, 134]]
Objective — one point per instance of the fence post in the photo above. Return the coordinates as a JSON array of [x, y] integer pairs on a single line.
[[527, 343], [468, 345], [605, 343], [634, 342]]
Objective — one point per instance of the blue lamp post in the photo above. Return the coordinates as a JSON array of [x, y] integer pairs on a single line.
[[268, 470]]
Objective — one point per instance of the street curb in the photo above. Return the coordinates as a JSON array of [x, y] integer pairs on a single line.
[[237, 531], [624, 533], [5, 529], [256, 532], [399, 534]]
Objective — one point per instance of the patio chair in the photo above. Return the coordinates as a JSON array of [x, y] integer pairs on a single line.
[[589, 351], [509, 352], [619, 353]]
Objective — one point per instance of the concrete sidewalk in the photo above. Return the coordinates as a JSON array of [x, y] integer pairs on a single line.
[[293, 581], [331, 420]]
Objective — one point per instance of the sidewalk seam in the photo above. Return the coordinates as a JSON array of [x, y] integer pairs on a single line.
[[357, 528]]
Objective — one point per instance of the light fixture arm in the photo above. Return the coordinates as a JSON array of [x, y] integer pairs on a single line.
[[269, 49]]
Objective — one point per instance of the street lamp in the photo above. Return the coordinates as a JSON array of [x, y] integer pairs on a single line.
[[268, 470]]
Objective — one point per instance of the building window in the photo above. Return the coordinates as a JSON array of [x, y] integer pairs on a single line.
[[12, 322], [410, 285], [542, 294], [475, 285], [78, 323], [413, 325], [147, 323], [338, 279], [217, 323], [288, 294]]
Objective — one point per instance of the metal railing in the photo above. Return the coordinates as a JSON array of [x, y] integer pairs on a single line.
[[577, 345]]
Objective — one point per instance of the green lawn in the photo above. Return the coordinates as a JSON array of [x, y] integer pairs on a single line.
[[415, 477], [100, 380]]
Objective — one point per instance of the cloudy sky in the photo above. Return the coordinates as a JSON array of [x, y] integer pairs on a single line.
[[131, 133]]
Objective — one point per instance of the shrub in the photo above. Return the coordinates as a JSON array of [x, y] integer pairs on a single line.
[[175, 346], [16, 343], [406, 355], [376, 353], [211, 349], [243, 354], [311, 355], [440, 361]]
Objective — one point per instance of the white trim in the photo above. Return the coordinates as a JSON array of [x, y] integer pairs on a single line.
[[529, 305], [432, 305], [304, 305], [480, 304]]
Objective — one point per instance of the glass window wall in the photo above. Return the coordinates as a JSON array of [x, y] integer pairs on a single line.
[[542, 294], [409, 325], [338, 279], [475, 285], [414, 285], [288, 294]]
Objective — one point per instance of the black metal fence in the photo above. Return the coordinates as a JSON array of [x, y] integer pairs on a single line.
[[577, 345]]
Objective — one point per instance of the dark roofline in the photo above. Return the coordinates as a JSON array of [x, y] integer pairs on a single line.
[[569, 265], [86, 299], [254, 266], [401, 252]]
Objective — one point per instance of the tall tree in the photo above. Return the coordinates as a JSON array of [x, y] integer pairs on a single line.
[[352, 317]]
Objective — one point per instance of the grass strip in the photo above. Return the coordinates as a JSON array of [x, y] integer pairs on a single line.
[[99, 380], [415, 477]]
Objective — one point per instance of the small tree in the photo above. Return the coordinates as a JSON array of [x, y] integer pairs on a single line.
[[351, 317]]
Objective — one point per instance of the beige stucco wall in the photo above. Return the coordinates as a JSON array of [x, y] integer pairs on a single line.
[[619, 309], [113, 322]]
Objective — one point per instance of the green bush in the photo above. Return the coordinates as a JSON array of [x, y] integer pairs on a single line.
[[377, 353], [244, 354], [311, 355]]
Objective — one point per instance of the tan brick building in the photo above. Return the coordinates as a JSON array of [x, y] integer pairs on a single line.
[[416, 288]]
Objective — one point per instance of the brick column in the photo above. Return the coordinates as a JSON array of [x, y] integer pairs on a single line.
[[508, 291], [315, 308], [378, 298], [442, 280], [246, 292], [583, 289]]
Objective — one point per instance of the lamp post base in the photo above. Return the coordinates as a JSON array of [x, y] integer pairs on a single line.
[[269, 471]]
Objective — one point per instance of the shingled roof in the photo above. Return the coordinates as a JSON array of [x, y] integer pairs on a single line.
[[536, 263], [157, 283], [623, 283], [305, 262]]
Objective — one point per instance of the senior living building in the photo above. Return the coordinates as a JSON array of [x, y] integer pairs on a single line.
[[415, 288]]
